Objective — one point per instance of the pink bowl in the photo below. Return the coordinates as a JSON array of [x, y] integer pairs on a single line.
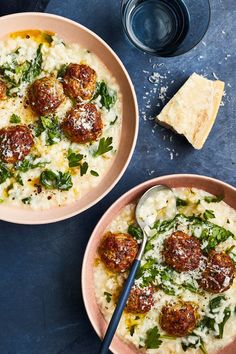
[[73, 32], [208, 184]]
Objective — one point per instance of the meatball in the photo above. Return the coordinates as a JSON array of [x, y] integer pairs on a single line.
[[140, 300], [79, 81], [178, 319], [3, 90], [219, 273], [15, 143], [182, 252], [45, 95], [118, 251], [83, 123]]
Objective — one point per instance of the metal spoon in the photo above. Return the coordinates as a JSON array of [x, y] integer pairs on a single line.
[[130, 280]]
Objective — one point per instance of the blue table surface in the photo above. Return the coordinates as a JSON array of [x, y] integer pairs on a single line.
[[41, 306]]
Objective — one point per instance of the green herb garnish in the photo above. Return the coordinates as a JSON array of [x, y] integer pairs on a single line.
[[114, 121], [56, 180], [34, 67], [94, 173], [104, 146], [19, 180], [48, 37], [74, 158], [4, 173], [152, 340], [214, 199], [61, 72], [15, 118], [52, 127], [27, 200], [83, 168], [29, 163], [181, 202], [209, 214], [108, 96], [135, 231], [108, 296]]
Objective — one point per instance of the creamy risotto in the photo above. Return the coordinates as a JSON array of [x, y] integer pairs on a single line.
[[183, 299], [60, 120]]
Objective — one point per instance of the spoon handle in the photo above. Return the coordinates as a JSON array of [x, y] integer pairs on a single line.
[[119, 308]]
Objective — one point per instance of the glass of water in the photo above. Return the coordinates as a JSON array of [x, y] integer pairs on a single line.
[[165, 27]]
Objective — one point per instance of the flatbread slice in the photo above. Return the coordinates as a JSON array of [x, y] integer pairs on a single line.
[[193, 109]]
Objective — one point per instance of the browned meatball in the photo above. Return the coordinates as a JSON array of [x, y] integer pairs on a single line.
[[3, 90], [140, 300], [83, 123], [15, 143], [79, 81], [178, 319], [45, 95], [182, 252], [219, 273], [118, 251]]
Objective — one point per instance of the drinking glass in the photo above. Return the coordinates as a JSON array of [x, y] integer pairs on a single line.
[[165, 27]]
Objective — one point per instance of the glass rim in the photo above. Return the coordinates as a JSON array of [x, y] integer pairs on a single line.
[[159, 54]]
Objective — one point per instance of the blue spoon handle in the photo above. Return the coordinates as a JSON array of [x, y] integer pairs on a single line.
[[119, 309]]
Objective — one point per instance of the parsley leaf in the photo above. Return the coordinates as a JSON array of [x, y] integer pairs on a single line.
[[104, 146], [108, 296], [209, 214], [26, 201], [94, 173], [56, 180], [74, 158], [108, 96], [152, 340], [15, 118], [214, 199], [83, 168]]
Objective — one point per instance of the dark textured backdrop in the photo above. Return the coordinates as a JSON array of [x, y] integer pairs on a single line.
[[41, 308]]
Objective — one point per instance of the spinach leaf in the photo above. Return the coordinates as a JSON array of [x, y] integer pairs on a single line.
[[15, 118], [108, 96], [61, 72], [29, 163], [227, 314], [181, 202], [47, 37], [52, 127], [104, 146], [19, 179], [108, 296], [152, 340], [4, 173], [34, 67], [53, 180], [135, 231], [74, 158], [214, 199], [209, 214]]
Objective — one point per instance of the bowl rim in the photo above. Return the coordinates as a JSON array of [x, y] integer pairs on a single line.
[[131, 191], [135, 102]]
